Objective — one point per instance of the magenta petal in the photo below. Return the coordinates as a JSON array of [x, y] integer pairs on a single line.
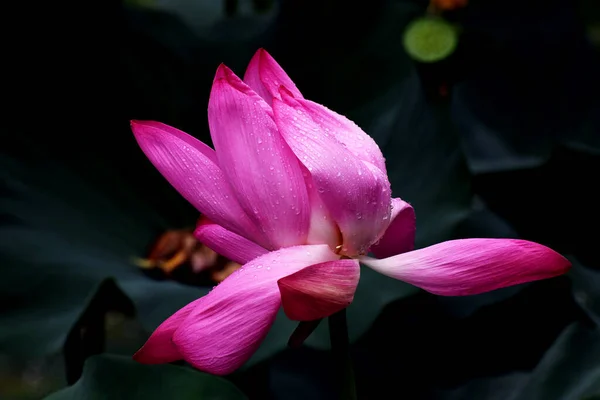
[[345, 131], [191, 167], [224, 73], [472, 266], [265, 76], [159, 348], [227, 243], [319, 290], [226, 328], [399, 237], [356, 193], [323, 229], [260, 167]]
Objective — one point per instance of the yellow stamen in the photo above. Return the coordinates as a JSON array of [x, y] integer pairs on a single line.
[[174, 262], [144, 263], [167, 266]]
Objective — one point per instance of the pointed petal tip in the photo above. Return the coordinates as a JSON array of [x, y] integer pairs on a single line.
[[261, 52], [286, 95], [265, 75], [141, 356], [225, 77], [136, 124], [222, 72], [148, 128]]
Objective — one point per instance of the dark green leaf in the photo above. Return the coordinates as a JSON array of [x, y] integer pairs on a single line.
[[113, 377], [570, 369], [66, 238], [513, 79], [586, 289]]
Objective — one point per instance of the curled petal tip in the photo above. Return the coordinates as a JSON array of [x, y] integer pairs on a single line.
[[320, 290], [399, 236]]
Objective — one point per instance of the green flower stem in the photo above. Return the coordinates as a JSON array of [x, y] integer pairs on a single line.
[[340, 349]]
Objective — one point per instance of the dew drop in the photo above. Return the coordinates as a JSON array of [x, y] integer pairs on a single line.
[[259, 266]]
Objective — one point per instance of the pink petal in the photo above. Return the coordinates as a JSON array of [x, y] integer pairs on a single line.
[[356, 193], [319, 290], [260, 167], [323, 230], [472, 266], [223, 72], [191, 167], [345, 131], [399, 237], [226, 243], [226, 328], [265, 76], [159, 348]]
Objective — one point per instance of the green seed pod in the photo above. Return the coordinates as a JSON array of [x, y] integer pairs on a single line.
[[430, 39]]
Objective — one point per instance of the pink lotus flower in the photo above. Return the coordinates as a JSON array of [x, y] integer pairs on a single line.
[[299, 195]]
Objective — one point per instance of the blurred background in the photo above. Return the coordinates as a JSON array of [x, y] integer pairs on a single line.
[[488, 115]]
